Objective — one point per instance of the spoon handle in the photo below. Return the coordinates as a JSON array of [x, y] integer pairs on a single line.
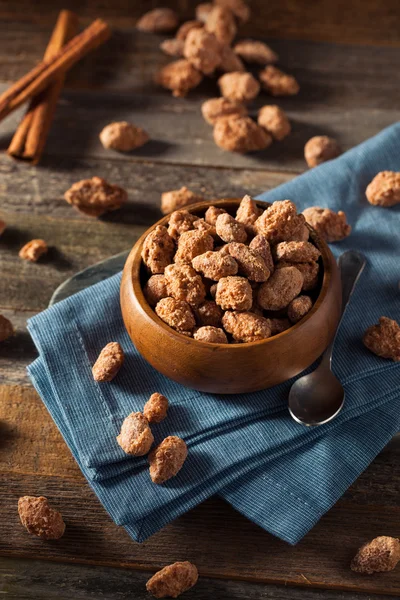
[[351, 265]]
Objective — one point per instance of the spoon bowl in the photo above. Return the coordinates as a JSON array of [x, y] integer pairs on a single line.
[[318, 397]]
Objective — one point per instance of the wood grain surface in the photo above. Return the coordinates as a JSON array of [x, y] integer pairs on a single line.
[[34, 580], [356, 22], [347, 90]]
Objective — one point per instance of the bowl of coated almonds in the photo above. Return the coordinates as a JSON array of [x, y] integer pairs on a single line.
[[231, 296]]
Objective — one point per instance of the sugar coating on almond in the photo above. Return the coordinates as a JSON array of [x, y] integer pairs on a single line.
[[203, 10], [319, 149], [210, 334], [238, 86], [179, 76], [179, 222], [240, 134], [191, 244], [159, 20], [279, 221], [280, 289], [222, 24], [167, 459], [260, 244], [33, 250], [230, 61], [296, 252], [383, 339], [230, 230], [246, 326], [202, 225], [176, 199], [379, 555], [6, 328], [278, 83], [183, 283], [202, 50], [309, 270], [248, 213], [39, 518], [216, 108], [155, 289], [95, 196], [275, 121], [250, 263], [173, 580], [176, 313], [212, 213], [384, 189], [135, 437], [253, 51], [215, 265], [123, 136], [109, 362], [298, 308], [156, 407], [158, 250], [234, 293], [239, 8], [331, 226], [172, 47], [184, 29]]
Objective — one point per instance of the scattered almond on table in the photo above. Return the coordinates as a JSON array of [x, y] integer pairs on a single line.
[[39, 518], [278, 83], [175, 199], [240, 134], [379, 555], [173, 580], [123, 136], [95, 196], [159, 20], [274, 120], [252, 51], [2, 226], [33, 250]]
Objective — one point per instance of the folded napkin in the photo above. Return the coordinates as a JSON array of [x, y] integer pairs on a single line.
[[245, 447]]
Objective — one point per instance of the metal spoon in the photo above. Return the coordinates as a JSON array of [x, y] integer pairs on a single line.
[[317, 398]]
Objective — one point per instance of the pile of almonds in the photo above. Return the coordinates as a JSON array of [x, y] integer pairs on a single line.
[[206, 46]]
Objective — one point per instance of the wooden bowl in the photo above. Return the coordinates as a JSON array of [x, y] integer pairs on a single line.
[[229, 368]]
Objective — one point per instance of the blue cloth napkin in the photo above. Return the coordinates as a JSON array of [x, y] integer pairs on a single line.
[[245, 447]]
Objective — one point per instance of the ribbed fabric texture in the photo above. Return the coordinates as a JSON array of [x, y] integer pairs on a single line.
[[280, 474]]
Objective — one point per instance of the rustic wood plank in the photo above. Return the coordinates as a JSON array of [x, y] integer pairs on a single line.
[[34, 461], [345, 92], [33, 579], [363, 22]]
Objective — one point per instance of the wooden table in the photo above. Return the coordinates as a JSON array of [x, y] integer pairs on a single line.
[[347, 59]]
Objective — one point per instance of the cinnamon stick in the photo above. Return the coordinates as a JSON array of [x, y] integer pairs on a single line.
[[30, 138], [48, 70]]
